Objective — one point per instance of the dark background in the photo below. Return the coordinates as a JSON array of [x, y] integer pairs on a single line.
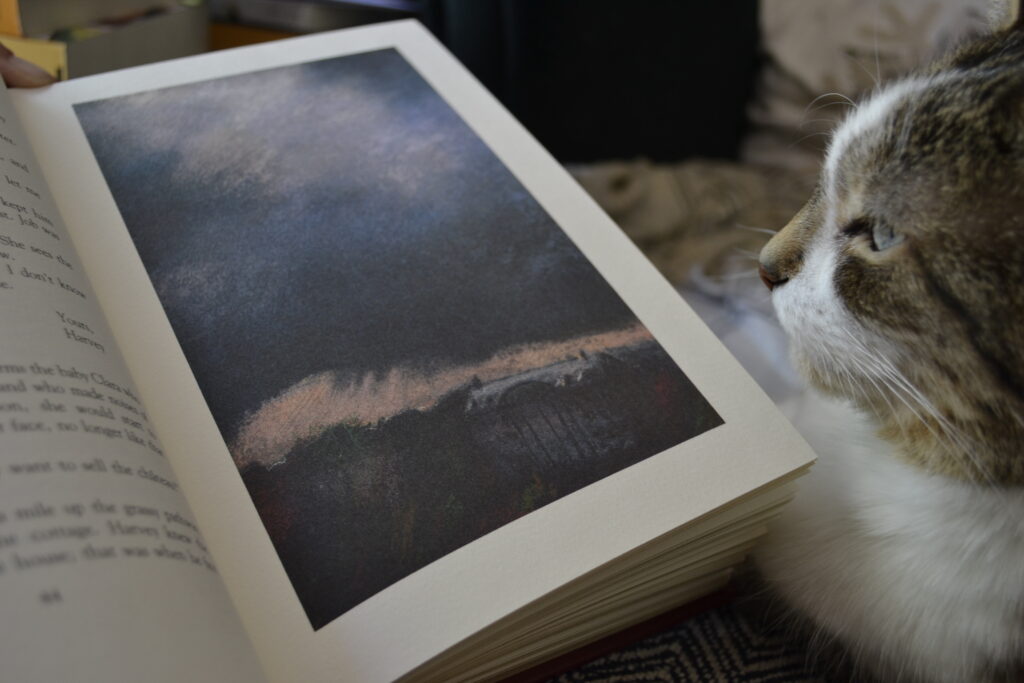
[[607, 79], [592, 79]]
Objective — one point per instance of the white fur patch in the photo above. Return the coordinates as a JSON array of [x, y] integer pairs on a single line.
[[913, 569], [865, 123]]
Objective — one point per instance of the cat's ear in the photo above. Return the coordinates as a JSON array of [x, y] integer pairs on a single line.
[[1006, 14]]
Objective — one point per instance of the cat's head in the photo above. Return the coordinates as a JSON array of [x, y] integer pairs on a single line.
[[901, 282]]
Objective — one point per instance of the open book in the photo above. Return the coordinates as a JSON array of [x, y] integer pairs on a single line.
[[316, 367]]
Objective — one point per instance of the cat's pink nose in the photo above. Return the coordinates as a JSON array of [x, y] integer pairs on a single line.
[[770, 279]]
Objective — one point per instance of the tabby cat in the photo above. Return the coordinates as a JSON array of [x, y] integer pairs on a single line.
[[901, 287]]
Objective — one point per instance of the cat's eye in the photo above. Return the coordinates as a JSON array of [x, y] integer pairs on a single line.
[[884, 237], [880, 234]]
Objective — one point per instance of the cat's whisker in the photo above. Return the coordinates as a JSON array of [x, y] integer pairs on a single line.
[[808, 137], [874, 79], [747, 253], [842, 375], [952, 439], [919, 396], [751, 228], [885, 391], [875, 367], [905, 400], [879, 390], [958, 443], [878, 65], [728, 277], [840, 95], [847, 103], [883, 394], [804, 122]]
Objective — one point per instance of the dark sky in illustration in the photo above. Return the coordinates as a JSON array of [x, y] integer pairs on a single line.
[[334, 216]]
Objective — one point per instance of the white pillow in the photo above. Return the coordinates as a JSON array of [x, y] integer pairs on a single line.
[[814, 47]]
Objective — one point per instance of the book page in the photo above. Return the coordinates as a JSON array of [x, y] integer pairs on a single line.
[[103, 573], [425, 380]]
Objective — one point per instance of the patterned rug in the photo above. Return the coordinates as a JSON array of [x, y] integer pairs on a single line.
[[722, 645]]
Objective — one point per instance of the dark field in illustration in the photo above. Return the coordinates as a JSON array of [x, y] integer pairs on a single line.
[[401, 349]]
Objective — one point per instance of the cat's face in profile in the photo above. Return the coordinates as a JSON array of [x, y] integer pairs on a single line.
[[901, 282]]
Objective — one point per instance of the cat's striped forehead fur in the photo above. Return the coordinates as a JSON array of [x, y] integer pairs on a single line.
[[901, 282]]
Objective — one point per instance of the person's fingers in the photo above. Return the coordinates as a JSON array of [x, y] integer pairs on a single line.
[[17, 73]]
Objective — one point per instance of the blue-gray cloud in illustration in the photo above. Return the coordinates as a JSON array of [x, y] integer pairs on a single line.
[[334, 216]]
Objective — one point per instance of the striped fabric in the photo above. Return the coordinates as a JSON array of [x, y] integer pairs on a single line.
[[722, 645]]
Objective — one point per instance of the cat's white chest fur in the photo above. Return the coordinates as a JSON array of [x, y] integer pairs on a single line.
[[913, 569]]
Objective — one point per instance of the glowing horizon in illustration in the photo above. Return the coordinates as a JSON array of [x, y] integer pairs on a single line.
[[318, 402]]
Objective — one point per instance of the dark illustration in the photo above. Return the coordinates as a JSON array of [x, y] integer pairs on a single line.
[[400, 347]]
